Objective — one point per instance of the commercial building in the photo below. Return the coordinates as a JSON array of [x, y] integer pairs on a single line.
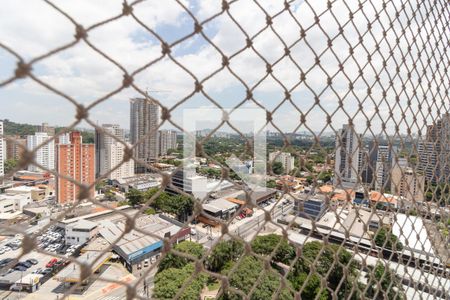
[[434, 151], [311, 206], [76, 160], [365, 223], [286, 159], [220, 208], [80, 232], [45, 155], [188, 181], [10, 203], [109, 153], [167, 140], [347, 157], [15, 147], [141, 183], [144, 130], [38, 192], [2, 152], [406, 182], [135, 247]]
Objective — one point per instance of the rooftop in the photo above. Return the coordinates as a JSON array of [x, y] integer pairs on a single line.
[[218, 205], [136, 240], [83, 224]]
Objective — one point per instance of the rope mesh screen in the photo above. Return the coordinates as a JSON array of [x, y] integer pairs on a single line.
[[379, 67]]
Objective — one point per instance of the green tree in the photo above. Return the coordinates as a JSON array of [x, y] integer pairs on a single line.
[[391, 288], [247, 274], [271, 184], [109, 194], [175, 261], [169, 282], [150, 211], [10, 164], [265, 245], [326, 265], [386, 239], [277, 168], [311, 288], [135, 197], [224, 253]]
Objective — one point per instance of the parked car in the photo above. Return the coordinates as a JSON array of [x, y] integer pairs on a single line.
[[5, 261], [46, 271], [51, 263], [32, 261], [37, 271], [26, 264], [20, 268]]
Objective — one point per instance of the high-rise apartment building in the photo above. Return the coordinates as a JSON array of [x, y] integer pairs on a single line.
[[104, 139], [2, 151], [45, 155], [15, 148], [144, 130], [109, 153], [347, 157], [383, 167], [285, 158], [76, 160], [167, 140], [367, 164], [115, 154], [63, 139], [406, 182], [434, 151]]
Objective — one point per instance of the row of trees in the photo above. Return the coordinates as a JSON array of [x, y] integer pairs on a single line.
[[318, 271], [179, 205]]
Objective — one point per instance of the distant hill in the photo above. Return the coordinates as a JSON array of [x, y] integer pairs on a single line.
[[13, 128]]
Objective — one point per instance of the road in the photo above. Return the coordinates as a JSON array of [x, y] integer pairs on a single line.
[[248, 227]]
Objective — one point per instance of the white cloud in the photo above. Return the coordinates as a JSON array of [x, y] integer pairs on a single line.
[[85, 75]]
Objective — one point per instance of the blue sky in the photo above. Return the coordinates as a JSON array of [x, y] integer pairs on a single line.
[[86, 76]]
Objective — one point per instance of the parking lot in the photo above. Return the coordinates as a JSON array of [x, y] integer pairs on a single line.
[[45, 265]]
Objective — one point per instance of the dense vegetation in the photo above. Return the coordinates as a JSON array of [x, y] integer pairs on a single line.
[[249, 274], [13, 128], [178, 205], [386, 239]]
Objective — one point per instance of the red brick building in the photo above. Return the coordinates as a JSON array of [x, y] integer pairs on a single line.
[[76, 160]]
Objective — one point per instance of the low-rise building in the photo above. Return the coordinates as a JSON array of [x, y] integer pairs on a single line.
[[139, 182], [382, 201], [365, 223], [135, 247], [10, 203], [311, 206], [220, 208], [80, 232], [38, 193]]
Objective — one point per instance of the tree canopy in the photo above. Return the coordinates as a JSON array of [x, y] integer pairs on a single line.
[[175, 261], [169, 282], [266, 244], [386, 239]]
